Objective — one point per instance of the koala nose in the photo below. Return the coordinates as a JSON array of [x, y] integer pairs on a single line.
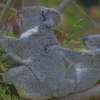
[[19, 12], [84, 39]]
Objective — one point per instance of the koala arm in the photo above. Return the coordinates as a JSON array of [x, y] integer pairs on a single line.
[[14, 47], [5, 58], [10, 61], [10, 44], [68, 54]]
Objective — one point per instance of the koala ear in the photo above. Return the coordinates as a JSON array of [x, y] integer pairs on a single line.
[[52, 18]]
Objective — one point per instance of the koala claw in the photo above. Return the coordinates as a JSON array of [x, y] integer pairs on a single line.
[[4, 29]]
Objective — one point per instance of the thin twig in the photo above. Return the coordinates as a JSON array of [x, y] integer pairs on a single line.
[[63, 5], [6, 11], [96, 25], [12, 9]]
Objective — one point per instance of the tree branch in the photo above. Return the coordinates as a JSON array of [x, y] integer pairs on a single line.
[[93, 92], [12, 9], [63, 5], [86, 95], [6, 11]]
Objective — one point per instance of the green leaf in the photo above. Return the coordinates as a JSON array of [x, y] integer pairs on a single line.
[[80, 26], [85, 45], [75, 26], [77, 42], [70, 36], [64, 41], [10, 34], [59, 30], [2, 51], [78, 49], [80, 19], [71, 41], [12, 15], [65, 45], [2, 90], [7, 69]]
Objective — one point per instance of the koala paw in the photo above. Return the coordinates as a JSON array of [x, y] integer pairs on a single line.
[[1, 74], [4, 29]]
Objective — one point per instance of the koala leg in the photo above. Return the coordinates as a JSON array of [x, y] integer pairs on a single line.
[[65, 87], [27, 84]]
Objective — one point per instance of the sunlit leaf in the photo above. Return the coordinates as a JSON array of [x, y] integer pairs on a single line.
[[80, 26], [70, 36], [10, 34], [65, 45], [59, 30], [12, 15], [77, 42], [71, 41], [75, 26], [78, 49], [80, 19]]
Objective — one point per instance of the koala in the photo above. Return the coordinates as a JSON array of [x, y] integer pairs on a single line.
[[42, 72], [84, 66]]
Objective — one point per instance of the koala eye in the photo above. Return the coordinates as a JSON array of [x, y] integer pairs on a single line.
[[27, 13], [90, 41]]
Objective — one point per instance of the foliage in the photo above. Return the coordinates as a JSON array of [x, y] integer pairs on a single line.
[[6, 88], [68, 36], [10, 34], [11, 15]]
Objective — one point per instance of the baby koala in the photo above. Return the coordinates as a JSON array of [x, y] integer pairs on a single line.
[[84, 66]]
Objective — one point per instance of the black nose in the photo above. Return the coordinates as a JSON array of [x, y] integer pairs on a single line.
[[84, 39], [19, 12]]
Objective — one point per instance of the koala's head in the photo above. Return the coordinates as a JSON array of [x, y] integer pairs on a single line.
[[31, 17], [91, 42]]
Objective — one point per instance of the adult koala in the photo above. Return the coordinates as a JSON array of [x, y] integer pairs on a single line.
[[84, 66], [41, 74]]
